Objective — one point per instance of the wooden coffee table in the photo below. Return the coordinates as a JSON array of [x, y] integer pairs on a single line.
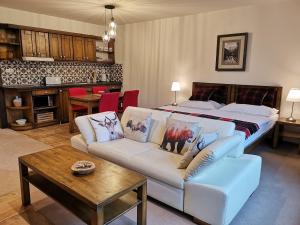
[[97, 198]]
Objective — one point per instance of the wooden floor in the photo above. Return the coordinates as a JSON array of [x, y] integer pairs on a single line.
[[55, 136], [11, 211]]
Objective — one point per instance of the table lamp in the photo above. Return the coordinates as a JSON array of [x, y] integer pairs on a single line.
[[293, 96], [175, 87]]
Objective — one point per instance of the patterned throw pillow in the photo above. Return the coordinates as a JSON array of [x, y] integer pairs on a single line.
[[138, 125], [107, 126], [179, 136], [202, 141], [251, 96]]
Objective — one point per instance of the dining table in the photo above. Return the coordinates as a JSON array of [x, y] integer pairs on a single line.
[[89, 101]]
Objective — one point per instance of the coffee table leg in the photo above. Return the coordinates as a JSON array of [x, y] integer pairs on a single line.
[[98, 217], [142, 207], [25, 191]]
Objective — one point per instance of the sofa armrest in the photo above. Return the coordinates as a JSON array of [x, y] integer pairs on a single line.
[[211, 154]]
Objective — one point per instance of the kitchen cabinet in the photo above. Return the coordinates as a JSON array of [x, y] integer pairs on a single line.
[[78, 47], [64, 105], [90, 49], [61, 47], [35, 44]]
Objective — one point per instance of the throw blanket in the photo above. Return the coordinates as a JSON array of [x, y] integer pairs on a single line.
[[247, 127]]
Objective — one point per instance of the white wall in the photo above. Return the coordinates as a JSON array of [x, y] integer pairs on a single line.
[[183, 48]]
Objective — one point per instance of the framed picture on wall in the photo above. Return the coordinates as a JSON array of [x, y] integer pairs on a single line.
[[232, 52]]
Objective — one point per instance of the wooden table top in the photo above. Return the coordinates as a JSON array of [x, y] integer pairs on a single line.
[[107, 183], [282, 120], [86, 98]]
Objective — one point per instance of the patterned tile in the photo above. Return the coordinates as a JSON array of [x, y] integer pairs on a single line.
[[32, 73]]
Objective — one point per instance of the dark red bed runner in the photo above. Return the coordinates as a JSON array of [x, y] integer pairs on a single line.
[[247, 127]]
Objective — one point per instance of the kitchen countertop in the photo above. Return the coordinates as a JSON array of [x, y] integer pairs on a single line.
[[66, 85]]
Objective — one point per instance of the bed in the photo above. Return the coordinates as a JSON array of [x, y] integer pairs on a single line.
[[256, 127]]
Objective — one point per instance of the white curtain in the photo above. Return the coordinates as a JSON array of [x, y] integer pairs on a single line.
[[157, 53]]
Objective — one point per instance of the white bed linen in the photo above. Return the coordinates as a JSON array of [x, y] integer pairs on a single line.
[[264, 123]]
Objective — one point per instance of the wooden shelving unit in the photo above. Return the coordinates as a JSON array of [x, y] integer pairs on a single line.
[[9, 43], [23, 112], [104, 56]]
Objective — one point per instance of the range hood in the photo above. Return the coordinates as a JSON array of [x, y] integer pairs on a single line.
[[38, 59]]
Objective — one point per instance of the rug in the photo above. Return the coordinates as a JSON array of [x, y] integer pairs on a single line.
[[12, 145]]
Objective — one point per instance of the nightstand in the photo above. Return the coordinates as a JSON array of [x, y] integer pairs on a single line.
[[287, 131]]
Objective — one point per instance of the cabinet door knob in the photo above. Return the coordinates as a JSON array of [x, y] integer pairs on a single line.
[[61, 56], [87, 57]]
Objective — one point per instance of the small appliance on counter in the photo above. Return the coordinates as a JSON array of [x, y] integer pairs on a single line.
[[52, 81]]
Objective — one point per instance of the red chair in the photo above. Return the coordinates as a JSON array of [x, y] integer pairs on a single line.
[[109, 102], [77, 92], [99, 89], [130, 98], [76, 109]]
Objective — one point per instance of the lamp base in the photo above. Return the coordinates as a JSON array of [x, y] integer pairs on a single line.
[[174, 104], [291, 119]]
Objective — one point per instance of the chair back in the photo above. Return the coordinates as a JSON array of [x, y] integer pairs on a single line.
[[99, 89], [130, 98], [109, 102], [77, 91]]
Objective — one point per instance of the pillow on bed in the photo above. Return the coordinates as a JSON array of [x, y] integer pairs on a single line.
[[251, 96], [201, 104], [259, 110]]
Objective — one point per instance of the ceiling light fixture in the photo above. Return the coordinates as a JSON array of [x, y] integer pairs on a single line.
[[112, 27], [105, 36]]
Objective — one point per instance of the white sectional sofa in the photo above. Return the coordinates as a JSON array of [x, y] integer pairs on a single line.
[[213, 196]]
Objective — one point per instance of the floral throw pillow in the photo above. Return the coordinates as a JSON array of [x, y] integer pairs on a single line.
[[137, 127], [203, 140], [179, 136], [107, 126]]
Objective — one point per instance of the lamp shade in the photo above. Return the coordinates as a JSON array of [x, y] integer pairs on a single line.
[[293, 95], [175, 86]]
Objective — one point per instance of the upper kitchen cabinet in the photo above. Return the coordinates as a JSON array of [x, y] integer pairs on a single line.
[[9, 43], [28, 43], [61, 47], [35, 44], [90, 49], [78, 47]]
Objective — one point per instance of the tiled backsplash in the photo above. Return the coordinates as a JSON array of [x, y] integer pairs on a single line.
[[32, 73]]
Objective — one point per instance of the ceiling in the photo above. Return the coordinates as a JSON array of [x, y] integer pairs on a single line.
[[127, 11]]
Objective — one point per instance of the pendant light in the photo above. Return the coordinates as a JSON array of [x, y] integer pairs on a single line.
[[105, 36], [112, 27]]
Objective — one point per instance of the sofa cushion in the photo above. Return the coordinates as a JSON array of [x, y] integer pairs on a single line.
[[203, 140], [179, 136], [107, 126], [158, 122], [211, 154], [138, 126], [145, 158], [223, 128], [86, 129]]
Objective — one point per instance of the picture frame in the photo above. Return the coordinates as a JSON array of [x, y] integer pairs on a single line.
[[232, 52]]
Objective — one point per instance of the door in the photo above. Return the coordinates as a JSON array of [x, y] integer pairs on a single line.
[[55, 44], [90, 49], [28, 43], [42, 44], [67, 47], [78, 47]]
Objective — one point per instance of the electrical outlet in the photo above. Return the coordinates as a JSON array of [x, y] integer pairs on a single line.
[[9, 71]]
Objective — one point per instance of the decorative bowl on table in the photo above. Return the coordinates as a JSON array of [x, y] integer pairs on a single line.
[[83, 167], [21, 122]]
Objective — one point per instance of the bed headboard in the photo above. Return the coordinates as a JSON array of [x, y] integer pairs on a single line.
[[246, 94], [262, 95], [219, 92]]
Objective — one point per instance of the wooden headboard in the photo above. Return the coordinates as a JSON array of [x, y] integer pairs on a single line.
[[229, 93], [222, 92]]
